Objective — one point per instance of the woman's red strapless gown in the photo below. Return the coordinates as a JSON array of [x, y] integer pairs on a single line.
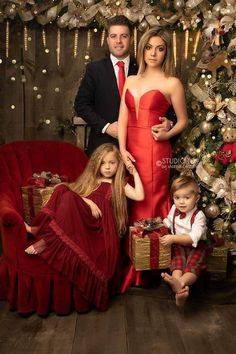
[[152, 160]]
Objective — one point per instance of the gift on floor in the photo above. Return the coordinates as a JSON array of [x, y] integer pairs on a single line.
[[217, 261], [145, 249]]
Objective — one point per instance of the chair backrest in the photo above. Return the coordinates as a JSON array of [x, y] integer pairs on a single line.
[[20, 159]]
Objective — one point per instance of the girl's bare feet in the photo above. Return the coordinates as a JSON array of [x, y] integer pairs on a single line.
[[31, 250], [181, 296], [36, 248], [173, 282]]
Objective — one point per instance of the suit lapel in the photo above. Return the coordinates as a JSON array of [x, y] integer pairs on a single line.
[[133, 67]]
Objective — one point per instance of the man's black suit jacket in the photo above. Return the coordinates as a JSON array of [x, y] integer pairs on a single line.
[[98, 99]]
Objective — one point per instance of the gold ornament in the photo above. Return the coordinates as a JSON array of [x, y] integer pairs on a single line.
[[212, 211], [206, 127]]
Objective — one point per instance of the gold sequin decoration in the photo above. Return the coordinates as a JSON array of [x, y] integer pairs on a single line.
[[58, 46], [174, 49], [186, 44], [76, 36], [7, 38], [44, 38], [25, 38]]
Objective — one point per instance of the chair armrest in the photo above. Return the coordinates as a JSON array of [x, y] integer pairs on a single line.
[[9, 216]]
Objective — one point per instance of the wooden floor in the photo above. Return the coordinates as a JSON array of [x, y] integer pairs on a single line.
[[139, 322]]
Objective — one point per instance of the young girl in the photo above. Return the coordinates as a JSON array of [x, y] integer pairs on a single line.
[[188, 228], [78, 230]]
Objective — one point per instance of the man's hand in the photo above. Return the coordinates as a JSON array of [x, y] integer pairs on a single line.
[[165, 125], [112, 130], [159, 131]]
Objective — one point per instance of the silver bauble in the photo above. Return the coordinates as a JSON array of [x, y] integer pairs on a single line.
[[143, 26], [89, 3], [179, 4], [10, 11], [61, 22]]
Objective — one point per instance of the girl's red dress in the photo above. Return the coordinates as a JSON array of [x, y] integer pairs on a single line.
[[83, 248]]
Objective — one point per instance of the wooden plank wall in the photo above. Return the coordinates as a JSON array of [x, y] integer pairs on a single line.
[[58, 86]]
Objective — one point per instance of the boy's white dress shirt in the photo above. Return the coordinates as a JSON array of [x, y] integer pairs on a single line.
[[197, 231]]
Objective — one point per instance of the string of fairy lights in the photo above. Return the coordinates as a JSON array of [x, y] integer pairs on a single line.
[[194, 38]]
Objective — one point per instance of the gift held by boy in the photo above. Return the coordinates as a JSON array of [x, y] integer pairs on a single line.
[[145, 249]]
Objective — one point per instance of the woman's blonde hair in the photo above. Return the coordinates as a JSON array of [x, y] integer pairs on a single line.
[[167, 64], [90, 180]]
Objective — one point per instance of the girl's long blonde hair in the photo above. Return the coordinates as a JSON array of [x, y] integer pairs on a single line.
[[90, 180], [167, 64]]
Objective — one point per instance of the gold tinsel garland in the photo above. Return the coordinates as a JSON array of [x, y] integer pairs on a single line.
[[144, 13]]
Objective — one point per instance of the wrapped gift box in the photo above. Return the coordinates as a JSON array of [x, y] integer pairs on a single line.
[[217, 261], [37, 192], [34, 198], [146, 251]]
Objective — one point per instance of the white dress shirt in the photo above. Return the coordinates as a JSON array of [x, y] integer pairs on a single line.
[[197, 231]]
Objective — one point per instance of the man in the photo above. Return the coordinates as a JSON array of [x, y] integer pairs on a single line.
[[98, 98]]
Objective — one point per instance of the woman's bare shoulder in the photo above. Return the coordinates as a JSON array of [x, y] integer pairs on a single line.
[[131, 79], [174, 83], [172, 80]]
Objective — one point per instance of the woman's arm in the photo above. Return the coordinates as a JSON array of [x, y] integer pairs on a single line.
[[179, 105], [122, 126], [177, 96], [136, 192]]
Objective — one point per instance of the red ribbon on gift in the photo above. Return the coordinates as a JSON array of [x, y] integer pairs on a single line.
[[30, 190], [154, 249], [39, 182], [154, 237]]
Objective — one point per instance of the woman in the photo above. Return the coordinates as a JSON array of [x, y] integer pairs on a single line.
[[147, 97]]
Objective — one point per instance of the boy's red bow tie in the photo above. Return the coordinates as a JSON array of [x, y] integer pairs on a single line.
[[180, 214]]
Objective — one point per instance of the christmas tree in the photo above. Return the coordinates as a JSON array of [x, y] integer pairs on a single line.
[[209, 145]]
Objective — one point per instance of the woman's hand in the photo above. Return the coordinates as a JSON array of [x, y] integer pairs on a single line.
[[167, 240], [127, 157]]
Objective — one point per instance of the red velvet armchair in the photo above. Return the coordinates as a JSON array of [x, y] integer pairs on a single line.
[[27, 282]]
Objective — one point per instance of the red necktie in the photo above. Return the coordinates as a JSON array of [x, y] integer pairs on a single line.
[[121, 76]]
